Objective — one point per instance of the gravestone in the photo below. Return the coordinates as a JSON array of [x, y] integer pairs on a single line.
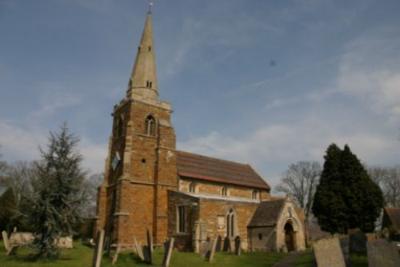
[[211, 253], [227, 244], [328, 253], [382, 253], [358, 241], [168, 248], [238, 243], [5, 240], [115, 257], [65, 242], [219, 244], [98, 250], [148, 250], [21, 239], [139, 249]]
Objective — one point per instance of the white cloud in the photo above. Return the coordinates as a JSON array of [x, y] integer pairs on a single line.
[[370, 71], [272, 147], [22, 143]]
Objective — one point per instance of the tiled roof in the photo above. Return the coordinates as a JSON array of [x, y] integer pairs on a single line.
[[394, 216], [267, 213], [218, 170]]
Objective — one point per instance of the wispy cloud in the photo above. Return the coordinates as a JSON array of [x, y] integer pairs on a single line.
[[370, 71]]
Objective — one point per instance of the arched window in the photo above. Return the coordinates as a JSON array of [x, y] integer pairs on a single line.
[[192, 187], [150, 126], [230, 224], [254, 194], [224, 191]]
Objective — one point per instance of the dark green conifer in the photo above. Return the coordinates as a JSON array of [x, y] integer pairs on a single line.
[[346, 197]]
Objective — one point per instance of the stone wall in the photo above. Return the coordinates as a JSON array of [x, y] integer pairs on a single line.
[[262, 238]]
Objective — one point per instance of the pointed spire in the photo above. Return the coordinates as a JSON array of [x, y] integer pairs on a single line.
[[143, 80]]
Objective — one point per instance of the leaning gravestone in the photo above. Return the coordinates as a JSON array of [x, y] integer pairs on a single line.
[[115, 257], [328, 253], [98, 250], [382, 253], [211, 253], [168, 248], [139, 249], [5, 240]]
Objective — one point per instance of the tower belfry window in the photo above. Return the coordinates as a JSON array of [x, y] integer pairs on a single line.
[[149, 84], [150, 126]]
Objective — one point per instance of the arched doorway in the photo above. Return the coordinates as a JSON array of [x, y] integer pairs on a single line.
[[289, 237]]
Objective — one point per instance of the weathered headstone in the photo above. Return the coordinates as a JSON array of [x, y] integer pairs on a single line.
[[115, 257], [238, 244], [148, 250], [98, 250], [5, 240], [382, 253], [65, 242], [168, 248], [219, 244], [227, 244], [21, 239], [328, 253], [139, 249], [211, 252], [358, 241]]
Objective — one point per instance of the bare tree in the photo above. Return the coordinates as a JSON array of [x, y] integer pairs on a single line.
[[389, 181], [91, 185], [299, 182]]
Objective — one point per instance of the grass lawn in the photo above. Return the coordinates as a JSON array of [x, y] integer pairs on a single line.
[[82, 256], [307, 259]]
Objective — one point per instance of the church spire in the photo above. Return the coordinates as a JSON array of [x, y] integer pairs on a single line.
[[143, 80]]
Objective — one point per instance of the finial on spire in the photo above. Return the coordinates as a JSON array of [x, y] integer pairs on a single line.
[[151, 3]]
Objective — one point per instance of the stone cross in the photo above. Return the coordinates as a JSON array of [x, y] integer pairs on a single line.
[[382, 253], [5, 240], [115, 257], [212, 250], [139, 249], [168, 248], [328, 253], [98, 250]]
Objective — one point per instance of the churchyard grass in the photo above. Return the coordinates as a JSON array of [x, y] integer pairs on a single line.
[[307, 259], [82, 256]]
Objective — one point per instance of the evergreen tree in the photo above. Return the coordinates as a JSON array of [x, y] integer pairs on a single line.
[[346, 197], [57, 192], [7, 210]]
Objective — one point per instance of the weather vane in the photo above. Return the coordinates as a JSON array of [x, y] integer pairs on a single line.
[[151, 3]]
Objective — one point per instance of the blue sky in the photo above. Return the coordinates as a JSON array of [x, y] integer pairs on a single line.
[[264, 82]]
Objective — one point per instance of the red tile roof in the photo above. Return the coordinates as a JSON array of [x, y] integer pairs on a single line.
[[217, 170], [267, 213], [394, 216]]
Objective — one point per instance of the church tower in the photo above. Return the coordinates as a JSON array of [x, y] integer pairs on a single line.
[[141, 163]]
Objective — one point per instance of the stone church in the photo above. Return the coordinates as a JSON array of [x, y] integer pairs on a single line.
[[151, 186]]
